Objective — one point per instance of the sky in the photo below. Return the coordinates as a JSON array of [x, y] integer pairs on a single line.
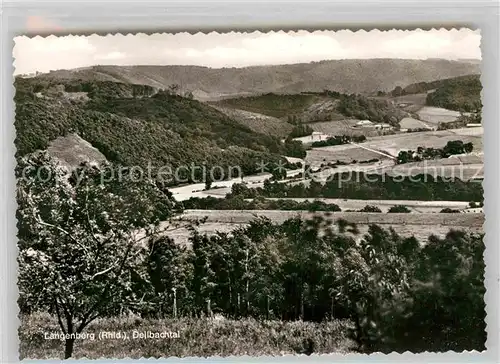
[[240, 49]]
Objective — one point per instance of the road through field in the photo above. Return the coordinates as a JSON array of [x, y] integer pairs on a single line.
[[393, 144]]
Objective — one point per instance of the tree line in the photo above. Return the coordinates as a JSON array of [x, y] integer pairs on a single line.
[[363, 186], [452, 147]]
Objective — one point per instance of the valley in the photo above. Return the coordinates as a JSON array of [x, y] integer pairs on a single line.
[[251, 193]]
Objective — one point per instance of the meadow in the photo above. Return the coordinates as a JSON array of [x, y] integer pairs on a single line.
[[198, 337], [436, 115], [419, 225]]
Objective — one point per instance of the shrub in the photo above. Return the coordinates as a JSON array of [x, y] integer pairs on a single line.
[[399, 208], [370, 208]]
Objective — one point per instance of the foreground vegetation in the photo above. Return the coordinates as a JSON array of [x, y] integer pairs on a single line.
[[92, 251], [199, 337]]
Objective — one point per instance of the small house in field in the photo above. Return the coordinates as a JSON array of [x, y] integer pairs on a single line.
[[383, 126], [474, 125], [316, 135]]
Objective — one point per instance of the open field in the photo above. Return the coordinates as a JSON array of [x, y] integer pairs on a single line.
[[411, 99], [393, 144], [344, 127], [462, 167], [411, 123], [436, 115], [420, 225], [309, 139], [198, 337], [345, 153], [385, 205], [221, 188]]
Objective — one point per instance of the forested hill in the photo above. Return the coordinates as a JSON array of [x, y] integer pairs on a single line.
[[135, 125], [346, 76], [458, 93], [462, 94]]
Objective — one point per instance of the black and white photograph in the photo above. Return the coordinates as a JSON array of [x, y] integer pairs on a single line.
[[249, 193]]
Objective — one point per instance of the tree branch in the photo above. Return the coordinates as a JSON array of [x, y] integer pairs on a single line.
[[85, 318], [104, 271], [41, 222], [59, 320], [92, 234]]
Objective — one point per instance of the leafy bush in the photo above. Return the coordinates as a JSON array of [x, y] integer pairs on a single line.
[[399, 208], [370, 208]]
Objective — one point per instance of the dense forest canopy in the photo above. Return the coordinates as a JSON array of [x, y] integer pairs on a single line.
[[461, 94]]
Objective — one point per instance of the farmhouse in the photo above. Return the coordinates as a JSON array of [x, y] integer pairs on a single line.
[[383, 126], [317, 135]]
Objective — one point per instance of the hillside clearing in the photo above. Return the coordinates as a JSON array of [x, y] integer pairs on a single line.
[[71, 150], [411, 123], [259, 123]]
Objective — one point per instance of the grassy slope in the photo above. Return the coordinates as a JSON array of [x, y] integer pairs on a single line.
[[257, 122], [198, 338], [134, 131], [279, 106]]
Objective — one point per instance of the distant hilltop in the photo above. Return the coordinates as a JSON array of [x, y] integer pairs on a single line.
[[346, 76]]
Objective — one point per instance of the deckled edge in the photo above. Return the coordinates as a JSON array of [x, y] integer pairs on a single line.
[[9, 125], [249, 31]]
